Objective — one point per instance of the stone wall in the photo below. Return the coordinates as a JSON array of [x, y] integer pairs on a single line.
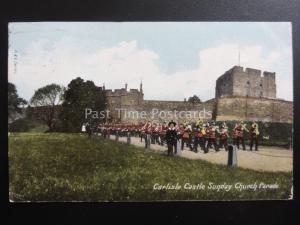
[[254, 109], [160, 111]]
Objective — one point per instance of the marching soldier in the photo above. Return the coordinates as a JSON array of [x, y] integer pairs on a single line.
[[254, 136], [239, 132], [223, 137], [159, 131], [171, 138], [145, 130], [163, 132], [212, 135], [199, 137], [155, 130], [186, 137], [206, 137]]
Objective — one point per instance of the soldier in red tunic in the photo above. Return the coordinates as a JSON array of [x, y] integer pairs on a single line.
[[163, 132], [206, 137], [143, 131], [239, 132], [223, 137], [211, 137], [154, 135], [186, 137], [198, 138]]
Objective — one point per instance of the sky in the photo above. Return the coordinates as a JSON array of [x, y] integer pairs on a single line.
[[174, 60]]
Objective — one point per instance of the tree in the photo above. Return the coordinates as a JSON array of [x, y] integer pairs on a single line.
[[45, 102], [194, 99], [15, 103], [79, 96]]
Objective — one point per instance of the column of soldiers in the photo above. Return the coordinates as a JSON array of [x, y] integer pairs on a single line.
[[195, 136]]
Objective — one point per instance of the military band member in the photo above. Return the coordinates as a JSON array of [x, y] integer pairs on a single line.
[[171, 138], [254, 136], [199, 137], [186, 137], [223, 137], [239, 131], [155, 129], [213, 136], [143, 131], [206, 137], [163, 132]]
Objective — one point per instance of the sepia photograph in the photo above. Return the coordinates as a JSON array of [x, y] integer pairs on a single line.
[[150, 111]]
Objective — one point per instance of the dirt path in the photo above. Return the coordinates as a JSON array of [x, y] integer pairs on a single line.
[[266, 159]]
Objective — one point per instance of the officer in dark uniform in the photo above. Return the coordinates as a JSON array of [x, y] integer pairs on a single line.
[[171, 138]]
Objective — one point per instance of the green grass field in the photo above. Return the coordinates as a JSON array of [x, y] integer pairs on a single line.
[[72, 167]]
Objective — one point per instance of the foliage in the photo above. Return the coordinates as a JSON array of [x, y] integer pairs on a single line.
[[194, 99], [79, 96], [45, 101], [72, 167], [14, 101]]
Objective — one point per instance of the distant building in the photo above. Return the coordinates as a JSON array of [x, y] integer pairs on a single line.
[[123, 97]]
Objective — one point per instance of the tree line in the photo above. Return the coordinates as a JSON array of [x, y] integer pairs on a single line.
[[60, 108]]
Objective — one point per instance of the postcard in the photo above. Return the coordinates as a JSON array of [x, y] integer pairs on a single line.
[[150, 111]]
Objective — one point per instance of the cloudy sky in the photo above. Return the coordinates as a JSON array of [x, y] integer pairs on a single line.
[[174, 60]]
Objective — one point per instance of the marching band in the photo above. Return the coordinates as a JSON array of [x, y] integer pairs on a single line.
[[206, 135]]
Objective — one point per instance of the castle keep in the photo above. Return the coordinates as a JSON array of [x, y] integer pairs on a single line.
[[241, 94], [248, 82]]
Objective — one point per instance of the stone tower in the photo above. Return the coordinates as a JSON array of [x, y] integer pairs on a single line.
[[248, 82]]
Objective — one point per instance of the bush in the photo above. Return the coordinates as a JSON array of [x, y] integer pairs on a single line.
[[27, 125]]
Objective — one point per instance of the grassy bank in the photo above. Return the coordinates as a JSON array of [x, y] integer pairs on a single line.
[[65, 167]]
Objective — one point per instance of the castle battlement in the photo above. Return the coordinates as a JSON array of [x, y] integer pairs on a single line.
[[123, 96], [250, 71], [117, 92]]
